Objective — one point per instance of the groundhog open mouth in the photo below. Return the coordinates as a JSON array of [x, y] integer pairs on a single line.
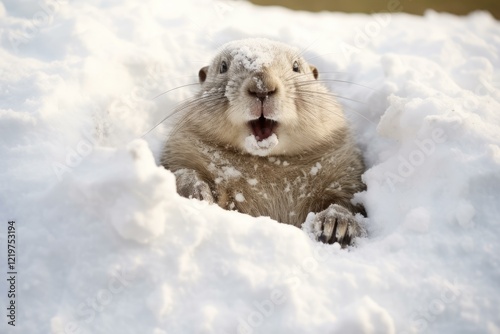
[[262, 128]]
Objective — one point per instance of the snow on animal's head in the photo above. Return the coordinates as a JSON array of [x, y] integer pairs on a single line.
[[269, 97]]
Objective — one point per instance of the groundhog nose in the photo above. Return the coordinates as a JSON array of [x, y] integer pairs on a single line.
[[261, 94], [262, 86]]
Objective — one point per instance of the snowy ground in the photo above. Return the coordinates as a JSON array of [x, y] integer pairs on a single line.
[[104, 244]]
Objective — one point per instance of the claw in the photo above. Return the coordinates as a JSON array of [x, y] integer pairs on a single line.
[[337, 224]]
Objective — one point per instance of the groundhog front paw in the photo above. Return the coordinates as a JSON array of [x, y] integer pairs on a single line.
[[337, 224], [189, 185], [202, 192]]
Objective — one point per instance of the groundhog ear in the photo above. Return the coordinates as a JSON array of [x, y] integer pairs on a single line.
[[202, 74], [314, 70]]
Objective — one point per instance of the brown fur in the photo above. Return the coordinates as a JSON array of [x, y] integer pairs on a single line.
[[315, 164]]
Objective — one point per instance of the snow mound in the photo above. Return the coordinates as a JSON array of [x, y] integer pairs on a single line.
[[130, 191]]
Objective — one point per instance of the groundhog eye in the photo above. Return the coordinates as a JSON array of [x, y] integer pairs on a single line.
[[223, 67], [296, 67]]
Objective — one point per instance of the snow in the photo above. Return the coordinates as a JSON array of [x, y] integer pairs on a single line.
[[252, 53], [239, 197], [105, 245], [252, 182], [261, 148], [314, 170]]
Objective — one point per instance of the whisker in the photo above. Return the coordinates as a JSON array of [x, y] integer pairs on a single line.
[[338, 111], [331, 94], [293, 77], [359, 114], [185, 105], [322, 55], [303, 51], [170, 90], [336, 72], [332, 80]]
